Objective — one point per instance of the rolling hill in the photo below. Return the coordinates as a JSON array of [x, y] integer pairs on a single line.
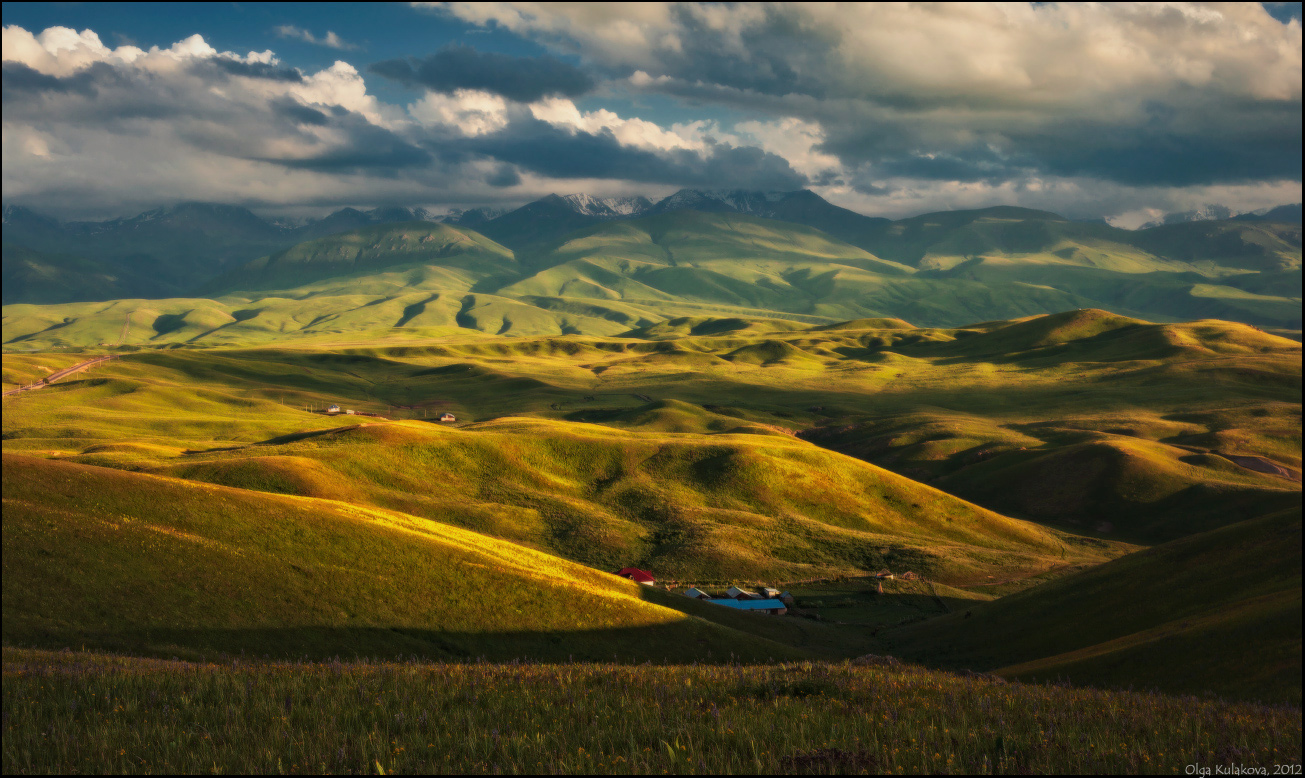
[[1218, 612], [688, 446], [348, 262], [165, 566], [582, 266]]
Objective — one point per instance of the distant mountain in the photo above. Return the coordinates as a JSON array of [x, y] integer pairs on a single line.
[[471, 217], [1240, 245], [1204, 213], [800, 207], [36, 277], [451, 257], [164, 251], [543, 221], [577, 263], [174, 248], [609, 207], [1283, 214], [347, 219]]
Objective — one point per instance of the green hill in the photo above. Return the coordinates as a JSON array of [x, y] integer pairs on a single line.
[[1257, 246], [1218, 611], [42, 277], [1059, 418], [449, 258], [626, 275], [716, 507], [140, 563], [690, 451]]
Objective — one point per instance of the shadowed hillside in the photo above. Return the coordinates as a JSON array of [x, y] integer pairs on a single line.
[[1219, 611]]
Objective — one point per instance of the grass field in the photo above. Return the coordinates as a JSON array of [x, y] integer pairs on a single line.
[[1002, 461], [167, 566], [79, 712]]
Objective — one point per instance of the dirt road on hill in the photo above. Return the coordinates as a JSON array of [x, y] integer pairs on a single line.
[[67, 371]]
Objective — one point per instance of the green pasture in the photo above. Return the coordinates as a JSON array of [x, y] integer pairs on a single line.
[[80, 712]]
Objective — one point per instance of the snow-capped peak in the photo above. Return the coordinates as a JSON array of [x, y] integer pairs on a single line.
[[1203, 213], [607, 206]]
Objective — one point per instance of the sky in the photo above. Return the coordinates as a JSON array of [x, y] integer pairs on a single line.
[[1120, 111]]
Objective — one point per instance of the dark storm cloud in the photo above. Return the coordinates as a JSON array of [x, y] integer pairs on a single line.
[[299, 113], [367, 148], [262, 70], [551, 151], [524, 79], [505, 176], [1190, 94], [1191, 139], [21, 79]]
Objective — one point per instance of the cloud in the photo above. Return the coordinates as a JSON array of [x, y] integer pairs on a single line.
[[454, 67], [470, 112], [1170, 93], [634, 132], [90, 130], [255, 69], [331, 41], [1091, 110], [549, 150]]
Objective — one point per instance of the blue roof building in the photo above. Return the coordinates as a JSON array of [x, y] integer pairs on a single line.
[[765, 606]]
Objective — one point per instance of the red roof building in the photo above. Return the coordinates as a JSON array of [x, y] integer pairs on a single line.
[[636, 575]]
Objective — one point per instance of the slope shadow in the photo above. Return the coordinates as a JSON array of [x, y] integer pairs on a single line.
[[678, 642]]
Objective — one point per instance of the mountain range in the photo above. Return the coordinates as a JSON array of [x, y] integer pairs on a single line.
[[600, 266], [1215, 212]]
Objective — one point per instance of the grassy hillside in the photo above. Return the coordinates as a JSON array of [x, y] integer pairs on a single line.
[[464, 257], [41, 277], [177, 247], [117, 714], [1169, 429], [720, 507], [613, 276], [749, 262], [1219, 611], [95, 556], [689, 448]]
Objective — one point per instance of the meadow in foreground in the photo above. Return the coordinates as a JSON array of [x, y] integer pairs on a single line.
[[81, 712]]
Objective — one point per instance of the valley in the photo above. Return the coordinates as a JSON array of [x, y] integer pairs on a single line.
[[1007, 463], [1074, 450]]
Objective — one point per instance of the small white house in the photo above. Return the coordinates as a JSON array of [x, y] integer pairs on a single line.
[[349, 412], [333, 409], [769, 593]]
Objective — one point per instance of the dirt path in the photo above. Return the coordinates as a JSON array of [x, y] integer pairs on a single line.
[[67, 371], [126, 327]]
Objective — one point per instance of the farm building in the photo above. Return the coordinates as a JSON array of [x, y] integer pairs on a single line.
[[909, 576], [884, 574], [772, 607], [333, 409], [636, 575], [736, 593], [696, 593], [770, 593], [448, 417]]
